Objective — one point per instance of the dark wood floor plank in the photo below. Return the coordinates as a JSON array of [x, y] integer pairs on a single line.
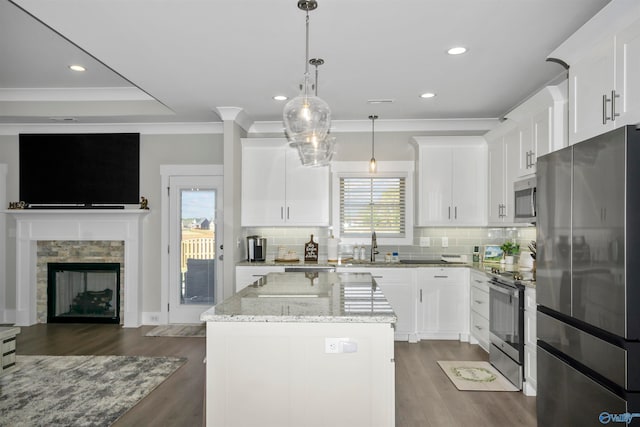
[[425, 397]]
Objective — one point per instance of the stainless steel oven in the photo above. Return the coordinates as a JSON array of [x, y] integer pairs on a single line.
[[506, 327], [524, 209]]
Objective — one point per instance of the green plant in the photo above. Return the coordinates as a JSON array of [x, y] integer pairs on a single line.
[[510, 248]]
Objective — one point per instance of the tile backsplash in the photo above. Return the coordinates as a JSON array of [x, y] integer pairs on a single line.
[[460, 240]]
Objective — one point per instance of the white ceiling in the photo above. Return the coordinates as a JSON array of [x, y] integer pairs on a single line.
[[151, 61]]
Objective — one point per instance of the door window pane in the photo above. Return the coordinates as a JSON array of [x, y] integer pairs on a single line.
[[197, 246]]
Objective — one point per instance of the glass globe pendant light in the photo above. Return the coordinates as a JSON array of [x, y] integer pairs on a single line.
[[307, 118], [317, 152]]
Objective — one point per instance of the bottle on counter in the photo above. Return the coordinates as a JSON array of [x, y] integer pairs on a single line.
[[395, 257], [363, 253], [387, 257], [356, 253]]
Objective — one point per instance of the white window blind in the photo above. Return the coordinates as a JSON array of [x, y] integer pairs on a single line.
[[372, 204]]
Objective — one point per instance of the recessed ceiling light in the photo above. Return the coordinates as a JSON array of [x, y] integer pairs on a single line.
[[427, 95], [458, 50], [280, 98], [76, 67]]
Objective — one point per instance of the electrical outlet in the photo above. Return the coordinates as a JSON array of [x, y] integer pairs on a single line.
[[445, 242], [154, 318], [332, 345], [425, 242]]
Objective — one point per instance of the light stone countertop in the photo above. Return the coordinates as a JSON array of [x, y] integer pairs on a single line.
[[306, 297], [478, 266]]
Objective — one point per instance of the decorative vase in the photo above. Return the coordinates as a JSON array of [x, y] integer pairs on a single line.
[[508, 259]]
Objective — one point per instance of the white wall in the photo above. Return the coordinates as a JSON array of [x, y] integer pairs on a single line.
[[155, 150]]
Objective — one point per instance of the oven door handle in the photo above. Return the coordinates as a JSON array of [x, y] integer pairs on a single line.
[[502, 289]]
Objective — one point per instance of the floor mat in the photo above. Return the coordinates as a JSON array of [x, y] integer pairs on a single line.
[[475, 376]]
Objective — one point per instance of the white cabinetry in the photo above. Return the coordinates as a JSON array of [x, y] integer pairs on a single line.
[[530, 334], [541, 126], [246, 275], [533, 129], [277, 190], [398, 286], [604, 71], [504, 152], [479, 328], [443, 303], [451, 180]]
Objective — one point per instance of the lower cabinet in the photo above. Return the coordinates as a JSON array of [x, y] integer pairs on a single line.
[[443, 303], [430, 302], [530, 334], [246, 275], [398, 286], [479, 327]]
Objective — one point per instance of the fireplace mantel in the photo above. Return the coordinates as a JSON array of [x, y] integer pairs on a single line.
[[77, 224]]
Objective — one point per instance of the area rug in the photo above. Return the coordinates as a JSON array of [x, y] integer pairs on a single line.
[[178, 331], [78, 390], [475, 376]]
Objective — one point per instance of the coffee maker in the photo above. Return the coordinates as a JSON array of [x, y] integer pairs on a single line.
[[256, 248]]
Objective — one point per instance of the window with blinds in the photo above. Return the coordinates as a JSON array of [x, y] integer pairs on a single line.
[[372, 204]]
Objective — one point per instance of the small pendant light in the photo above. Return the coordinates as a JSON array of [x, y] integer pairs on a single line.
[[372, 163]]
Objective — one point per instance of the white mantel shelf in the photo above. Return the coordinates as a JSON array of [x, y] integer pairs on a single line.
[[77, 224]]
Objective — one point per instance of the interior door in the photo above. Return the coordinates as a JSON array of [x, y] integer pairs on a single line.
[[195, 246]]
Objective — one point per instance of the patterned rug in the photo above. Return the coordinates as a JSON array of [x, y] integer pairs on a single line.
[[78, 390], [476, 376], [178, 331]]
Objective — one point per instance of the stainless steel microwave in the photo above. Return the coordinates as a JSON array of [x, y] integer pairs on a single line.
[[524, 209]]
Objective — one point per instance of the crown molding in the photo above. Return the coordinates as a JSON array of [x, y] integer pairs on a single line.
[[75, 94], [477, 126], [142, 128]]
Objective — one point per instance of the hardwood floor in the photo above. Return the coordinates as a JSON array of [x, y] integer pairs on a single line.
[[424, 395]]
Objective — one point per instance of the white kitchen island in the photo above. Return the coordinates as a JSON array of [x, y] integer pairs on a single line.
[[302, 349]]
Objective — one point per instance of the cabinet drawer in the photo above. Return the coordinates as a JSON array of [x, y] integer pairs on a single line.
[[480, 329], [530, 300], [8, 360], [530, 330], [8, 345], [389, 276], [480, 302], [530, 362]]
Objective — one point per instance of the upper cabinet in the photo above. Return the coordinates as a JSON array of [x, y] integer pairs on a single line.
[[604, 71], [504, 164], [541, 127], [277, 190], [451, 183], [533, 129]]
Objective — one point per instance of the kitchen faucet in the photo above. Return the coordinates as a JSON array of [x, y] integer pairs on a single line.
[[374, 247]]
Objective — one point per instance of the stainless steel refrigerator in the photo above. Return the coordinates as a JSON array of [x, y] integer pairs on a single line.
[[588, 282]]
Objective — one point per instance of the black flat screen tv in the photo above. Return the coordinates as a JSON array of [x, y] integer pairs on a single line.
[[79, 169]]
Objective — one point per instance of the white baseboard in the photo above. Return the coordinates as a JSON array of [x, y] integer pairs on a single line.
[[151, 318]]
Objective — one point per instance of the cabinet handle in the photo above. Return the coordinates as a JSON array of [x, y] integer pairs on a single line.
[[527, 159], [377, 277], [258, 275], [614, 95], [440, 277], [478, 301], [449, 212], [281, 212], [478, 281], [455, 210], [604, 109], [478, 327], [420, 295]]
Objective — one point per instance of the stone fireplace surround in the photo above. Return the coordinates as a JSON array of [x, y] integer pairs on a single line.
[[77, 225]]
